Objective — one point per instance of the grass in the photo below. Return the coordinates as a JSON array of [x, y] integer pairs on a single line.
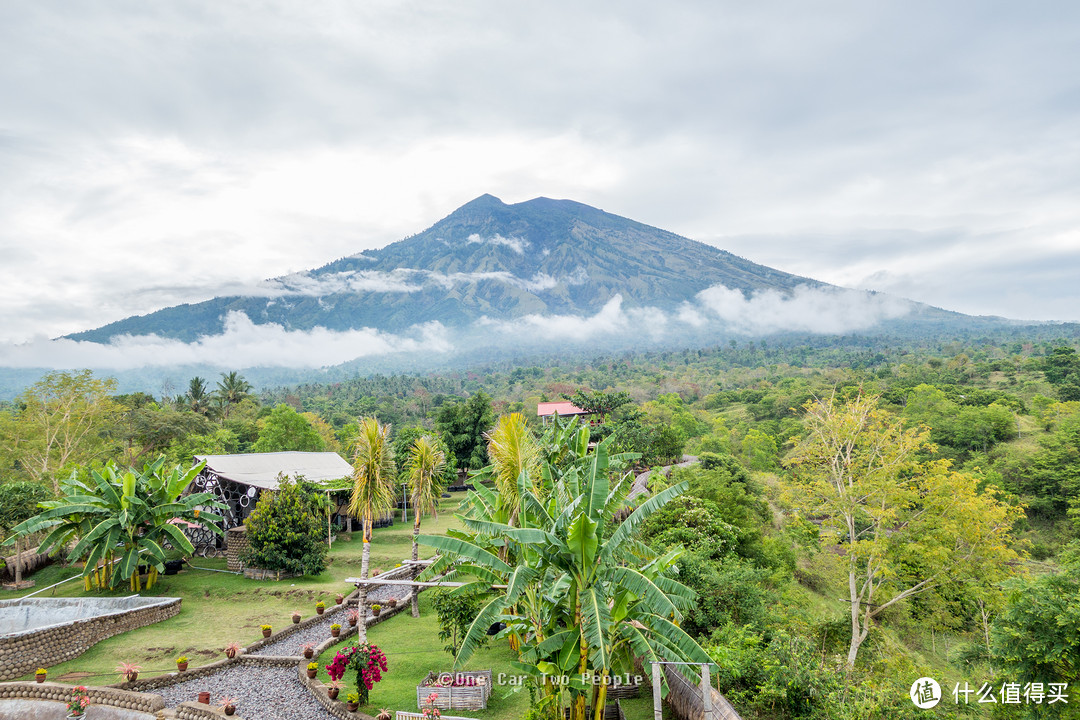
[[219, 607], [413, 650]]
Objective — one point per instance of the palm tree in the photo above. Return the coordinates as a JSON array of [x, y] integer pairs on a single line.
[[373, 491], [424, 469], [231, 389], [513, 451], [198, 397]]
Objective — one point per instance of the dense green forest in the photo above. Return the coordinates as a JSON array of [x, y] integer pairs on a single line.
[[959, 497]]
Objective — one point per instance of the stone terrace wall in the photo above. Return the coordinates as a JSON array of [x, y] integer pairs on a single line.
[[141, 702], [25, 652]]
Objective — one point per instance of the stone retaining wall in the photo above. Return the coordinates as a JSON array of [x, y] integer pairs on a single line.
[[25, 652], [254, 573], [141, 702], [198, 711]]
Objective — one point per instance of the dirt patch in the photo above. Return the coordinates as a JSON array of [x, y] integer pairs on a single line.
[[72, 676]]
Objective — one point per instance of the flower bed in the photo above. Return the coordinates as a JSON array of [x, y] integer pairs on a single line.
[[466, 690]]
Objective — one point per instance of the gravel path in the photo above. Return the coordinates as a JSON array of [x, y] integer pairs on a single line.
[[261, 693], [317, 632], [314, 634]]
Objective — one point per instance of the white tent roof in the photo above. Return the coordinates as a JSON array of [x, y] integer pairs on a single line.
[[261, 470]]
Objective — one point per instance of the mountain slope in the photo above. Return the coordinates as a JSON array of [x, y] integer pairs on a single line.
[[486, 259]]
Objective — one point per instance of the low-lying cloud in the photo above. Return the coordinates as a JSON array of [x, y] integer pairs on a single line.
[[517, 244], [714, 312], [399, 280], [242, 344]]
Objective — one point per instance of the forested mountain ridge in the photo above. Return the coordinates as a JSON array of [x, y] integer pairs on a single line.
[[486, 260]]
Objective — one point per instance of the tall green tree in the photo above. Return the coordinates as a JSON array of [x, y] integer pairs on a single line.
[[462, 425], [373, 490], [424, 470], [285, 429], [905, 526], [64, 421], [1037, 637]]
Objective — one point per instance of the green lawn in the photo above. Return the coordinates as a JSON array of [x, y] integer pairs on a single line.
[[220, 607], [413, 650]]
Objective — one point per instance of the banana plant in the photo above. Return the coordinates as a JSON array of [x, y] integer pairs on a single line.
[[583, 594], [114, 520]]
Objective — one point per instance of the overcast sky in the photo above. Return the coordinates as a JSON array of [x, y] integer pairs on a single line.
[[154, 153]]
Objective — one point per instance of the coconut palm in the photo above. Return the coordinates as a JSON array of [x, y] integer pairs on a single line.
[[231, 389], [197, 396], [424, 469], [513, 451], [585, 601], [373, 490]]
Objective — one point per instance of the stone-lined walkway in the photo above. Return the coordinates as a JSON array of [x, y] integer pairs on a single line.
[[275, 692], [259, 693]]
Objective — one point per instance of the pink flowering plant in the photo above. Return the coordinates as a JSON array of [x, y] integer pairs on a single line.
[[80, 699], [367, 660], [431, 712]]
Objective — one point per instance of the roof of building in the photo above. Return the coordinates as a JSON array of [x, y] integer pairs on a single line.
[[559, 408], [261, 470]]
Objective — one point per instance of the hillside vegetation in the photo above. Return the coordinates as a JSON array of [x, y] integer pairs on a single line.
[[969, 455]]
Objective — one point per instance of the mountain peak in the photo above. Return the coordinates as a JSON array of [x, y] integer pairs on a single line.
[[486, 259]]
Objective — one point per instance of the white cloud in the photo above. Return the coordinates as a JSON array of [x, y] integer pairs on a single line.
[[806, 309], [242, 344], [399, 280], [516, 244], [245, 344]]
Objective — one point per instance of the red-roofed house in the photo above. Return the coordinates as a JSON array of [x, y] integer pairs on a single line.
[[565, 408]]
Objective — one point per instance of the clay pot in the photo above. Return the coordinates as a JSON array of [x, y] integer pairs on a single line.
[[40, 678], [296, 619], [230, 654], [336, 632], [352, 622], [204, 697], [332, 693], [339, 599], [181, 666], [309, 653], [320, 610], [312, 673], [133, 676], [352, 707], [230, 709], [266, 633]]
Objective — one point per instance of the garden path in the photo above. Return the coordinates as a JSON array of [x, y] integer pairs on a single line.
[[263, 692]]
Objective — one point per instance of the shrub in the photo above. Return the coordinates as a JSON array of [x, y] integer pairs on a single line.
[[456, 613], [286, 532]]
